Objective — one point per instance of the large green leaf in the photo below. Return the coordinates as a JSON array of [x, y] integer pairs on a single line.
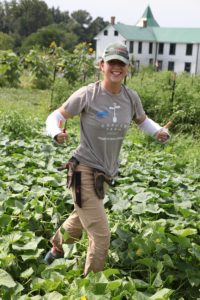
[[6, 279], [185, 232], [32, 245], [53, 296], [163, 294], [27, 273], [4, 220]]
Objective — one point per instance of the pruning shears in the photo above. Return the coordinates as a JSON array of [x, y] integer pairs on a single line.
[[65, 126], [168, 125], [60, 125]]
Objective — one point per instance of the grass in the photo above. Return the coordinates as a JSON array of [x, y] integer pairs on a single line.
[[184, 146], [26, 101], [187, 150]]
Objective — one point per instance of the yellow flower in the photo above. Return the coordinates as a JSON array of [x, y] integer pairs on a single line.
[[157, 241], [53, 45], [90, 50], [83, 298], [138, 252]]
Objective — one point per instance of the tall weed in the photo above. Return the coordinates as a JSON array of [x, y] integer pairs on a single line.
[[17, 126]]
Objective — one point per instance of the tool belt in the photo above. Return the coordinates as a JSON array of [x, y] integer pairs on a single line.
[[74, 179], [99, 179]]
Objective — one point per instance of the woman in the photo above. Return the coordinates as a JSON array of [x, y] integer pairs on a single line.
[[106, 109]]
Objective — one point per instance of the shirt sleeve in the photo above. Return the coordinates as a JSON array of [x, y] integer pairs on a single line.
[[138, 109], [76, 103]]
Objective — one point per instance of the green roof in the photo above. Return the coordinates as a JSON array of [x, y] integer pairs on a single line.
[[177, 35], [130, 32], [149, 17], [152, 32], [159, 34]]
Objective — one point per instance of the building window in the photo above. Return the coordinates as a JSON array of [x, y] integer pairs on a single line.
[[115, 33], [172, 49], [151, 61], [150, 48], [171, 66], [131, 47], [187, 67], [189, 48], [160, 48], [140, 47], [105, 32]]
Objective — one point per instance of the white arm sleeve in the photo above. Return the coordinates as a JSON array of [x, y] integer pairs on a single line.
[[149, 126], [52, 123]]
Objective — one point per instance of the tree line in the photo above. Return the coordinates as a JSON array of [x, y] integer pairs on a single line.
[[26, 23]]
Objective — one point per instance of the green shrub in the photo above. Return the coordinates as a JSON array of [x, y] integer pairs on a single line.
[[6, 41], [18, 126], [165, 99], [40, 67], [10, 69]]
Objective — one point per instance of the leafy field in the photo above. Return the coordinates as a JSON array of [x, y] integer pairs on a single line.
[[153, 212]]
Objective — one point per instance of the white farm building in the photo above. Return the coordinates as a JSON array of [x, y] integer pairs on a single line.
[[175, 49]]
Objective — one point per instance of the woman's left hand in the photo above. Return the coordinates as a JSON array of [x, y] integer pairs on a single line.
[[162, 136]]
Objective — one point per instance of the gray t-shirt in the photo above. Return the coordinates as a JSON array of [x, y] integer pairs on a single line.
[[104, 120]]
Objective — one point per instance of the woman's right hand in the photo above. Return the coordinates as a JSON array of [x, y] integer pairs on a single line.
[[61, 137]]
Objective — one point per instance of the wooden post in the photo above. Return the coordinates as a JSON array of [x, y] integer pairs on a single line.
[[173, 89]]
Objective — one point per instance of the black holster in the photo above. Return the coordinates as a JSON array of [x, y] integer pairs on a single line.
[[77, 187], [99, 179], [73, 178]]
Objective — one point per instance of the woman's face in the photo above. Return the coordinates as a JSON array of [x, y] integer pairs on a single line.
[[114, 70]]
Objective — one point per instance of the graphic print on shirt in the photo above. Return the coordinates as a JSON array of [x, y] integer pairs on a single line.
[[111, 127], [102, 114], [114, 107]]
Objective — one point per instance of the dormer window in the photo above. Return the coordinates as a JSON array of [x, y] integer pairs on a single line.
[[105, 32], [115, 33]]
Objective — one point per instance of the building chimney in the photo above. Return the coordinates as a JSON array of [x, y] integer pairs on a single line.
[[112, 20], [144, 23]]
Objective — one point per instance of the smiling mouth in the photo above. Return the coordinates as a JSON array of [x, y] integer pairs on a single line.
[[116, 73]]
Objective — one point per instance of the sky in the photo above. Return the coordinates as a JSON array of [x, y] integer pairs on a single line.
[[168, 13]]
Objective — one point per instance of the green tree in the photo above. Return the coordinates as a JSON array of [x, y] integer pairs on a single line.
[[82, 17], [44, 36], [9, 16], [95, 26], [58, 16], [2, 17], [22, 18], [34, 14], [82, 21]]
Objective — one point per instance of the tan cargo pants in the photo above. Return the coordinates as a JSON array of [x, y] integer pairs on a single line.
[[91, 218]]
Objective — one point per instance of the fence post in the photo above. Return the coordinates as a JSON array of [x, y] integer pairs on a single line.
[[173, 89]]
